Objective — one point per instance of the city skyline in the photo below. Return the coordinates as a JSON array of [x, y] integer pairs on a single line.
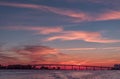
[[81, 32]]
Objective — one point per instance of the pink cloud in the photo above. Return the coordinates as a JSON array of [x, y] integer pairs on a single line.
[[38, 30], [31, 54], [70, 13], [109, 15], [106, 2], [39, 50], [20, 5], [87, 49], [77, 16], [81, 35], [96, 1], [61, 34], [78, 49], [41, 54]]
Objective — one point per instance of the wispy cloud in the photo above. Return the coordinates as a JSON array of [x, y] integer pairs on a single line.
[[64, 35], [109, 15], [82, 35], [78, 16], [36, 54], [97, 1], [11, 57], [21, 5], [31, 54], [106, 2], [77, 49], [39, 54], [37, 30], [66, 12], [87, 49]]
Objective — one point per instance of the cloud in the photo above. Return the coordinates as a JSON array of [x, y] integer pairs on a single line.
[[65, 35], [20, 5], [38, 54], [116, 2], [103, 16], [35, 50], [106, 2], [78, 49], [111, 48], [81, 35], [31, 54], [76, 16], [11, 57], [66, 12], [109, 15], [37, 30], [87, 49]]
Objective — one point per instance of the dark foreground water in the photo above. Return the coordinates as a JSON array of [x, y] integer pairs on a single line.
[[58, 74]]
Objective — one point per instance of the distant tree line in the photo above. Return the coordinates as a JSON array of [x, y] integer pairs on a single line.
[[16, 67], [28, 67], [116, 67]]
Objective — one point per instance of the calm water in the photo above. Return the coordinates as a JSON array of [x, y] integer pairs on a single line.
[[58, 74]]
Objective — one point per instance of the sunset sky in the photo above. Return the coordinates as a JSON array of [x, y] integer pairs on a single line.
[[82, 32]]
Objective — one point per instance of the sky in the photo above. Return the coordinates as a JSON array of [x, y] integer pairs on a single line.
[[81, 32]]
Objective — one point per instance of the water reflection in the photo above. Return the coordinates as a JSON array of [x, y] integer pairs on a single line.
[[57, 74]]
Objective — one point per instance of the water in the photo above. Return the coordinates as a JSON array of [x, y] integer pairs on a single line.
[[58, 74]]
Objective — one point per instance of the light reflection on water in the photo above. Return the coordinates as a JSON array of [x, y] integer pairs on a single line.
[[58, 74], [24, 74]]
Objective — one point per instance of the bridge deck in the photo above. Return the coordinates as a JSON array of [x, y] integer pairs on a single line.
[[71, 67]]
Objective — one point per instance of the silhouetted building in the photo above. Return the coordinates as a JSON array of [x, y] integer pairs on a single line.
[[19, 67]]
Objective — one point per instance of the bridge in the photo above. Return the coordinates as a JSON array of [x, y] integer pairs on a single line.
[[69, 67]]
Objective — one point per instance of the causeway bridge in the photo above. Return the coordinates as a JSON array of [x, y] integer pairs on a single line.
[[69, 67]]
